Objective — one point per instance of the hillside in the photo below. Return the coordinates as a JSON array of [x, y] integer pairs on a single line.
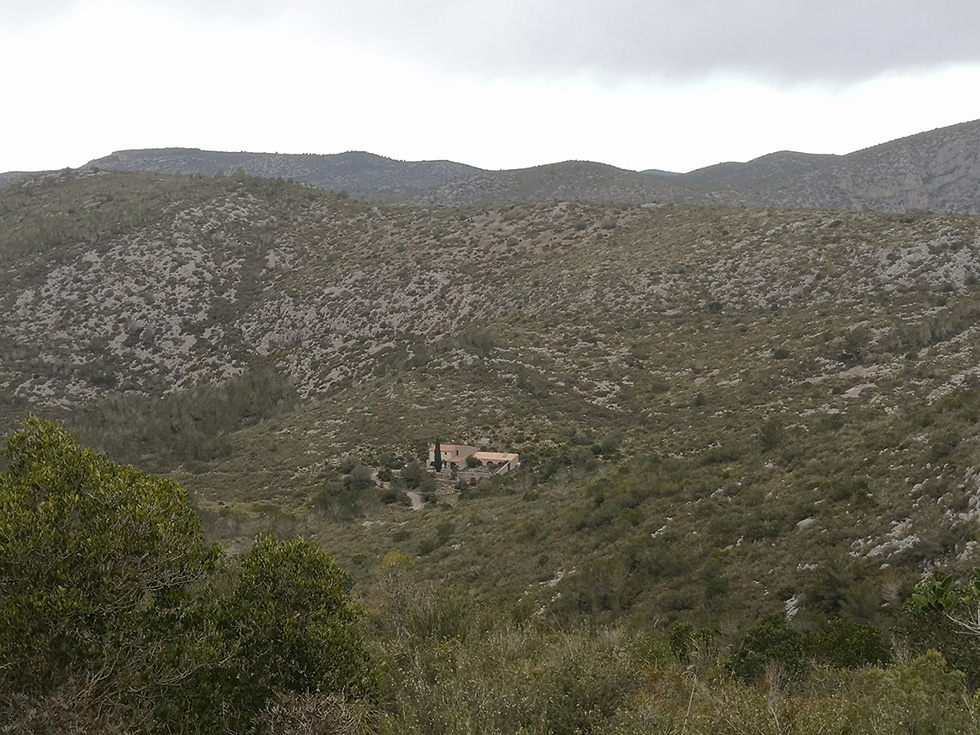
[[577, 181], [718, 410], [358, 173], [756, 172], [12, 177], [936, 171]]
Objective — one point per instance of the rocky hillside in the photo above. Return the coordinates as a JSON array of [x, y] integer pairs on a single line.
[[575, 181], [164, 282], [936, 171], [759, 171], [698, 392], [12, 177]]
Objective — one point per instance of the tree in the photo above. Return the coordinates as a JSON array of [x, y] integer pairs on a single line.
[[361, 478], [921, 696], [846, 644], [286, 625], [772, 434], [438, 456], [413, 474], [92, 554], [945, 615], [117, 616]]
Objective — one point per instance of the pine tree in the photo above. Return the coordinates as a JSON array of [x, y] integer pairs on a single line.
[[438, 457]]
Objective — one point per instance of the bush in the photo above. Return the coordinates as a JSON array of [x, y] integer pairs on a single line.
[[922, 696], [516, 681], [340, 501], [771, 435], [771, 640], [413, 473], [845, 644], [361, 478], [291, 627]]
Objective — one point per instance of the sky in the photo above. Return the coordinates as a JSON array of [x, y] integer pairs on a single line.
[[669, 84]]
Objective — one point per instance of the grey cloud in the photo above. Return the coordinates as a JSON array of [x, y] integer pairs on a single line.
[[786, 40]]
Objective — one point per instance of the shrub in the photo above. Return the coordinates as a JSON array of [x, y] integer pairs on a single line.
[[340, 501], [846, 644], [360, 478], [922, 696], [771, 640], [413, 473]]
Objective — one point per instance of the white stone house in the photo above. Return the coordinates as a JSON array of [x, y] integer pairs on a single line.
[[453, 455]]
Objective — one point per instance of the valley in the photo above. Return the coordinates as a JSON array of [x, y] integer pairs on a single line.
[[726, 407]]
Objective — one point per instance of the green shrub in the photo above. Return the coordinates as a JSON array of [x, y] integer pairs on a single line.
[[413, 474], [849, 645], [771, 640], [923, 697]]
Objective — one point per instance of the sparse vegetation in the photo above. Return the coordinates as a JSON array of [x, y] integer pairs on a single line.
[[723, 415]]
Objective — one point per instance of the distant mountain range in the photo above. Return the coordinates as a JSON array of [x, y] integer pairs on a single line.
[[936, 171], [360, 174]]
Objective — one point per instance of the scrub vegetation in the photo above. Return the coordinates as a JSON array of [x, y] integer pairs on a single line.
[[119, 617], [747, 500]]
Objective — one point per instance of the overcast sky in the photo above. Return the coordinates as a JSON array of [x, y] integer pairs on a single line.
[[672, 84]]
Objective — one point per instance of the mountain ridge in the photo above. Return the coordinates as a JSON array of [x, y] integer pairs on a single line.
[[357, 172], [937, 170]]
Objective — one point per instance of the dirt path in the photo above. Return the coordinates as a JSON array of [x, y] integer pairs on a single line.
[[416, 499]]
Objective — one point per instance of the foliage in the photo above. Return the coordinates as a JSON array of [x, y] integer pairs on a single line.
[[942, 614], [116, 615], [285, 625], [360, 479], [770, 641], [922, 697], [349, 498], [942, 594], [525, 677], [91, 555], [846, 644], [118, 618], [191, 426], [515, 681], [413, 473]]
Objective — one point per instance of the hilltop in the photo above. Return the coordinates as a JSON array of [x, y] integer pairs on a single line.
[[356, 172], [937, 170]]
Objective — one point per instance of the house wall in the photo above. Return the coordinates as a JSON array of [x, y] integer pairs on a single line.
[[451, 453], [500, 462]]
